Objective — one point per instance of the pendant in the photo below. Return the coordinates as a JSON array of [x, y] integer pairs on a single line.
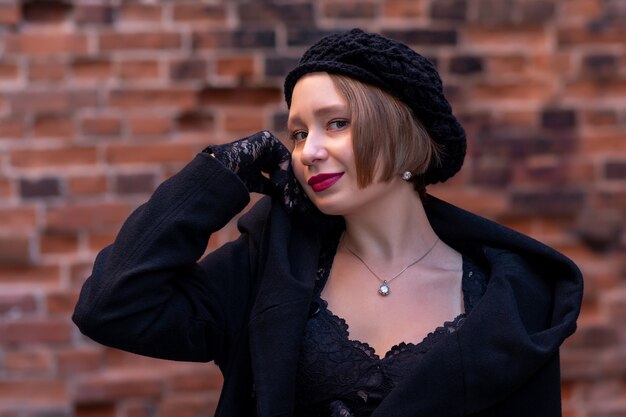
[[384, 289]]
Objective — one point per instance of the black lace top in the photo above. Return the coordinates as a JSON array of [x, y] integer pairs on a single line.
[[339, 376]]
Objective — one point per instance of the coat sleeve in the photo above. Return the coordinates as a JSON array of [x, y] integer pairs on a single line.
[[148, 294]]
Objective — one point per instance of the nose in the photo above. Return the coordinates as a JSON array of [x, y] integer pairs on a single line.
[[313, 149]]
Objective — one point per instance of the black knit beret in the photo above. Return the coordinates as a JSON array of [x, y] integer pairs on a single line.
[[402, 72]]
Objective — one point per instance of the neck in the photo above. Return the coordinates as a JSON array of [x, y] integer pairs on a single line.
[[392, 229]]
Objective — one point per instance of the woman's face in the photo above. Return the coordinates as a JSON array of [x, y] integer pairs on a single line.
[[323, 157]]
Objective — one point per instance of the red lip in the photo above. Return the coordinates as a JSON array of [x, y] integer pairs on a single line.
[[320, 182]]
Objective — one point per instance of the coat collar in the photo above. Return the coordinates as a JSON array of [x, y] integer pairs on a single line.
[[281, 309], [455, 366]]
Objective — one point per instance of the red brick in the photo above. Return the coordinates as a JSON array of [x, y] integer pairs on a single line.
[[101, 125], [204, 378], [581, 171], [10, 13], [169, 98], [35, 330], [348, 9], [196, 121], [15, 249], [94, 69], [56, 157], [512, 36], [530, 91], [582, 9], [18, 303], [241, 67], [596, 337], [153, 153], [554, 64], [79, 360], [40, 188], [88, 216], [116, 385], [46, 43], [140, 409], [150, 125], [617, 306], [251, 96], [52, 101], [122, 360], [18, 218], [519, 118], [243, 120], [61, 302], [194, 12], [35, 392], [6, 188], [93, 14], [135, 183], [87, 185], [188, 405], [137, 12], [30, 361], [600, 117], [188, 69], [143, 69], [79, 273], [579, 36], [98, 410], [596, 89], [403, 8], [58, 126], [615, 170], [8, 71], [12, 128], [274, 13], [47, 13], [597, 142], [98, 240], [27, 276], [58, 243], [506, 64], [49, 70], [246, 37], [158, 41]]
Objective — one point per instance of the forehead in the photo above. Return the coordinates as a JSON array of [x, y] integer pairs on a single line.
[[314, 90]]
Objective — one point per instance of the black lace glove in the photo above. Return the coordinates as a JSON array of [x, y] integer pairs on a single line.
[[262, 153], [340, 409]]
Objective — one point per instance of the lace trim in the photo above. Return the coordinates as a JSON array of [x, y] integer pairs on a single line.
[[424, 345]]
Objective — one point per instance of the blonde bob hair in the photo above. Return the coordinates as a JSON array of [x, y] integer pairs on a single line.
[[387, 138]]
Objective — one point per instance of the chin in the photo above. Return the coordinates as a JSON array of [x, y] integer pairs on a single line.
[[330, 209]]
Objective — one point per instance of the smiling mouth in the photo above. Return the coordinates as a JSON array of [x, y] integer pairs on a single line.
[[320, 182]]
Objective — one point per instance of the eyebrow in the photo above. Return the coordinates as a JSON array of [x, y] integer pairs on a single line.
[[320, 112]]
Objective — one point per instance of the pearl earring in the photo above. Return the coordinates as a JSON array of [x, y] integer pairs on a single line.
[[406, 175]]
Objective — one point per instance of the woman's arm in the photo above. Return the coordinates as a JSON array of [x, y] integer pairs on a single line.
[[147, 293]]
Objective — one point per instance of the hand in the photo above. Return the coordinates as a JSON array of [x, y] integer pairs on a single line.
[[262, 153], [339, 409]]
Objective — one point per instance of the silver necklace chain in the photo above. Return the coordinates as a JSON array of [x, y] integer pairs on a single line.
[[384, 288]]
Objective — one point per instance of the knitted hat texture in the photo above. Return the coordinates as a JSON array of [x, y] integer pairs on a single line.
[[402, 72]]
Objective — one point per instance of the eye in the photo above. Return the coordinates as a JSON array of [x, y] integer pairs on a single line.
[[298, 135], [338, 124]]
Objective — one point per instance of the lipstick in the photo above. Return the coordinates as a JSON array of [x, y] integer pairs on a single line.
[[321, 182]]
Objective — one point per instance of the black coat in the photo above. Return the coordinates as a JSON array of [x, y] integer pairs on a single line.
[[245, 305]]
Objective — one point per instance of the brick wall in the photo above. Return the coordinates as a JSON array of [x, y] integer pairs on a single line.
[[102, 100]]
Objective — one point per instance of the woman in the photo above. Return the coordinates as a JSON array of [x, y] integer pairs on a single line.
[[350, 291]]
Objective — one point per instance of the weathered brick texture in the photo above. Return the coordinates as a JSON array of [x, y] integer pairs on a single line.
[[100, 101]]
